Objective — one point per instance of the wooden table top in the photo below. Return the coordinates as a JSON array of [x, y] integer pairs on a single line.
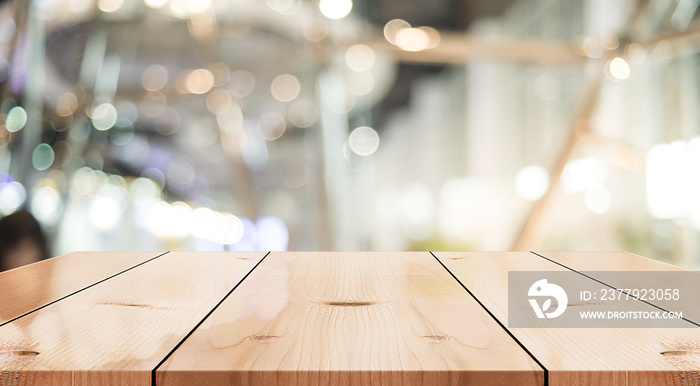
[[315, 318]]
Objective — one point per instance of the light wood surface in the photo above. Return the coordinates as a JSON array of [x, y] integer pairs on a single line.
[[581, 356], [117, 331], [27, 288], [349, 318], [318, 318], [627, 271], [608, 261]]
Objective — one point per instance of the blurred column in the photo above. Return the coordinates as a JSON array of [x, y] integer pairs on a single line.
[[33, 93], [337, 178]]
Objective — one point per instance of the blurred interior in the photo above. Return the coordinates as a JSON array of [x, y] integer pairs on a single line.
[[354, 125]]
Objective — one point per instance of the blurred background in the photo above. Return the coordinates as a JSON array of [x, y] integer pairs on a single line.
[[353, 125]]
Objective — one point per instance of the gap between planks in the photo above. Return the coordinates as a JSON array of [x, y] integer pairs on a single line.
[[546, 372], [81, 290], [155, 369], [610, 286]]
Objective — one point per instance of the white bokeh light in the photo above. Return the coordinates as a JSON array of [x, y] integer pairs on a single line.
[[581, 174], [203, 223], [16, 119], [666, 172], [335, 9], [46, 205], [360, 57], [233, 229], [104, 116], [416, 208], [618, 69], [363, 141], [532, 182], [12, 196], [104, 212], [412, 39], [285, 87], [273, 234], [155, 3]]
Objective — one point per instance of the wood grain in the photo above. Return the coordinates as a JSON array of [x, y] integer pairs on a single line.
[[29, 287], [580, 356], [117, 331], [326, 318]]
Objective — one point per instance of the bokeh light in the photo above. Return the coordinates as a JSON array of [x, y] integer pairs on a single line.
[[16, 119], [84, 181], [532, 182], [412, 39], [285, 7], [271, 125], [43, 156], [233, 229], [360, 57], [581, 174], [181, 215], [199, 81], [67, 103], [392, 28], [155, 3], [667, 180], [108, 6], [637, 53], [155, 77], [203, 223], [434, 37], [335, 9], [104, 212], [363, 141], [144, 187], [198, 6], [218, 101], [46, 205], [166, 123], [285, 87], [12, 197], [104, 116], [416, 208], [273, 234], [617, 69]]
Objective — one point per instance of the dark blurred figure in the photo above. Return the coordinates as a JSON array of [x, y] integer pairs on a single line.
[[21, 240]]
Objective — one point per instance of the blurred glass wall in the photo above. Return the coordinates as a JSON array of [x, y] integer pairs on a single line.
[[354, 125]]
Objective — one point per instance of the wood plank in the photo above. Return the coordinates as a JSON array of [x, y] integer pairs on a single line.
[[27, 288], [312, 318], [117, 331], [608, 261], [581, 356], [607, 267]]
